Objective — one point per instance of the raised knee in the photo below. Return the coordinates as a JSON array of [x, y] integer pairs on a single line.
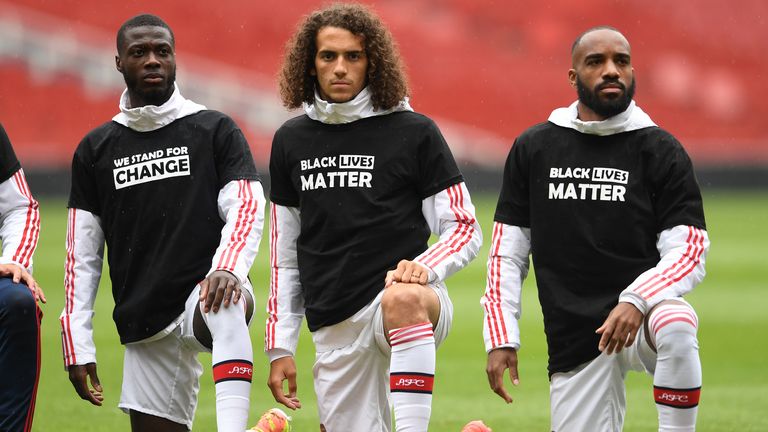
[[402, 296], [677, 343], [404, 304], [674, 329], [17, 300], [226, 324]]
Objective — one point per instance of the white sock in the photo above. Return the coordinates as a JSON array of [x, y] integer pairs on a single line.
[[677, 379], [232, 366], [412, 372]]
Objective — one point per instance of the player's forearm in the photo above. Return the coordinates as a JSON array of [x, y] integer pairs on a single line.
[[683, 250], [285, 310], [85, 250], [507, 269], [241, 205], [451, 215], [77, 338], [285, 304], [19, 221]]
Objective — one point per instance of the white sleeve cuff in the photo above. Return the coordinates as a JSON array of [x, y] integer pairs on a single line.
[[278, 353]]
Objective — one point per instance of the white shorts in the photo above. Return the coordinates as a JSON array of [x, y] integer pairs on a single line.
[[161, 374], [592, 396], [351, 370]]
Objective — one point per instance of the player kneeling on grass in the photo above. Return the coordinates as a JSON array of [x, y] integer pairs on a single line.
[[172, 189], [357, 185], [609, 207]]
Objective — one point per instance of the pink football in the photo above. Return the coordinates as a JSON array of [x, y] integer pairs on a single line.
[[476, 426]]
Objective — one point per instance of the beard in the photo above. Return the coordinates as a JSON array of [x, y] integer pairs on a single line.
[[605, 107], [151, 95]]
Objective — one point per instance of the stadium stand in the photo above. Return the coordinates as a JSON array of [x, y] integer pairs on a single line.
[[484, 69]]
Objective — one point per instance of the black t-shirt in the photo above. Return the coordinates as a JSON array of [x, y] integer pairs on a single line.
[[8, 162], [595, 205], [156, 194], [359, 188]]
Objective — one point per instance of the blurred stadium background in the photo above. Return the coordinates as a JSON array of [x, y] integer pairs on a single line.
[[484, 70]]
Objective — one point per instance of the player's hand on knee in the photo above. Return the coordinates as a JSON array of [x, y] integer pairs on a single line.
[[281, 370], [219, 288], [12, 271], [19, 274], [37, 290], [407, 272], [499, 360], [79, 376], [620, 328]]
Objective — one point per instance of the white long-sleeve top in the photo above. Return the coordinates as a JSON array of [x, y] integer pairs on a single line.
[[682, 249], [19, 221], [240, 205], [450, 215]]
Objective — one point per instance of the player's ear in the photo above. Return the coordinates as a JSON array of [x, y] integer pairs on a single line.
[[572, 77], [118, 64]]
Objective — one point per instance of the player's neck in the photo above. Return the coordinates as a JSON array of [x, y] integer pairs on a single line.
[[586, 114]]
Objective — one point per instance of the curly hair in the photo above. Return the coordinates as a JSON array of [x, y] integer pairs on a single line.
[[387, 80]]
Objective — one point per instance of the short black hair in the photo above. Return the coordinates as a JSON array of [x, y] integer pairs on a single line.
[[140, 21], [590, 30]]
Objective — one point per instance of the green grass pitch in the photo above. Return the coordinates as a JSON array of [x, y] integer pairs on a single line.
[[731, 304]]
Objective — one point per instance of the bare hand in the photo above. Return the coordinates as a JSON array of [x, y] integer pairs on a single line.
[[219, 287], [280, 370], [620, 328], [19, 274], [79, 375], [499, 360], [407, 272]]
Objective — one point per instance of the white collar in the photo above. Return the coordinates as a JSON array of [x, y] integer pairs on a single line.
[[633, 118], [151, 117], [358, 108]]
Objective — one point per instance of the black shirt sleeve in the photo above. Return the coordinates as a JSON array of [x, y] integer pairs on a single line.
[[437, 168], [9, 164], [281, 190], [513, 207], [232, 154], [677, 196], [83, 193]]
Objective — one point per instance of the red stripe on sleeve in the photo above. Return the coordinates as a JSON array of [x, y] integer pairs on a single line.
[[26, 248], [439, 246], [228, 250], [461, 235], [650, 283], [679, 269], [252, 207], [496, 322], [69, 284], [693, 259], [272, 300], [467, 216], [246, 214]]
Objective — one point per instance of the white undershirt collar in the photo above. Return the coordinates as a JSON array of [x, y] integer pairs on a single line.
[[633, 118], [152, 117], [358, 108]]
